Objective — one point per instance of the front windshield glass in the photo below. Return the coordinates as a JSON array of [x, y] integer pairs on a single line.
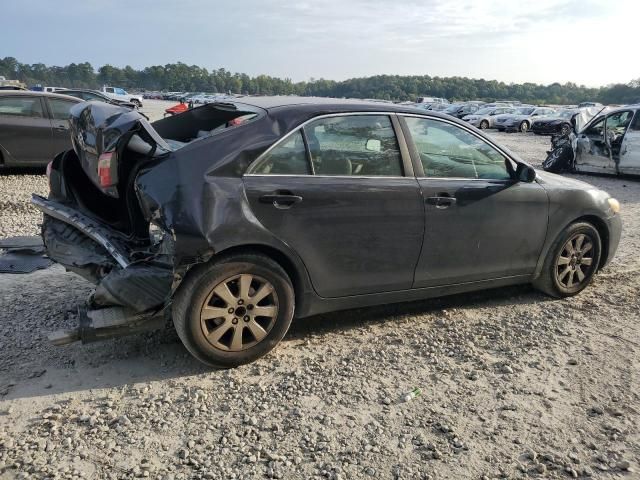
[[485, 111], [525, 111], [452, 109], [565, 114]]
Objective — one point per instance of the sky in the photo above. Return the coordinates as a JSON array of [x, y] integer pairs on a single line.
[[543, 41]]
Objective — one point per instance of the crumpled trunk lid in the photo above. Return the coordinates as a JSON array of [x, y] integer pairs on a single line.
[[100, 132]]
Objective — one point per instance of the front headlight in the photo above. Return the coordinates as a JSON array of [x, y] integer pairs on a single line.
[[614, 204]]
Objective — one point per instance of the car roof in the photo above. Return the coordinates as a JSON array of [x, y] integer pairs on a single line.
[[324, 104], [31, 93]]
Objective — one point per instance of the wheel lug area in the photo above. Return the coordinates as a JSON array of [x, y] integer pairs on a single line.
[[246, 318], [231, 310], [250, 307], [234, 321], [240, 302]]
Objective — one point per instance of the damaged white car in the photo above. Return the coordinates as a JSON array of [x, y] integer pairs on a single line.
[[609, 143]]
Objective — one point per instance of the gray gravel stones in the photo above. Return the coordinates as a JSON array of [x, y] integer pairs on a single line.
[[513, 384]]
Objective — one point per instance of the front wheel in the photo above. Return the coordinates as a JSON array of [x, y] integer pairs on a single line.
[[572, 261], [136, 102], [484, 125], [524, 127], [233, 311]]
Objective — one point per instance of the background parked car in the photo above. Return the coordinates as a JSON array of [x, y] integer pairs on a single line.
[[485, 117], [558, 123], [121, 94], [34, 127], [92, 95], [521, 119], [461, 110]]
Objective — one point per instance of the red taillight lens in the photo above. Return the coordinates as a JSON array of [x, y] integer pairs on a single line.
[[104, 169]]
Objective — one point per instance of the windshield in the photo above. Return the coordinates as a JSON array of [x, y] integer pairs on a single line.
[[525, 111], [565, 114], [485, 111], [452, 109]]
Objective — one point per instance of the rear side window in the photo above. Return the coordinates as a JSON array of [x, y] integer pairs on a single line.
[[287, 158], [21, 107], [60, 108], [635, 125], [354, 145]]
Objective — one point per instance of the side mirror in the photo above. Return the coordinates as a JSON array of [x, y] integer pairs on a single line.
[[525, 173], [373, 145]]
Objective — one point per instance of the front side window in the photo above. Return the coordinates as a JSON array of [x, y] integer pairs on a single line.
[[287, 158], [21, 107], [109, 90], [635, 125], [448, 151], [619, 121], [60, 108], [364, 145]]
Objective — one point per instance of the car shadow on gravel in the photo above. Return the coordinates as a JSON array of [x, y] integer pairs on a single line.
[[159, 356], [356, 318], [6, 171]]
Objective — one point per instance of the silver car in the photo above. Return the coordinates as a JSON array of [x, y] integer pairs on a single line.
[[485, 117], [521, 119]]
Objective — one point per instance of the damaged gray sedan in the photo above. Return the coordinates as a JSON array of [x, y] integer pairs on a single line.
[[232, 217]]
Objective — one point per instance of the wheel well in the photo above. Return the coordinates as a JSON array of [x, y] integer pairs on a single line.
[[603, 231], [275, 255]]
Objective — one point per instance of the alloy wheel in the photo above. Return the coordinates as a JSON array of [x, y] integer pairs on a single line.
[[574, 265], [239, 312]]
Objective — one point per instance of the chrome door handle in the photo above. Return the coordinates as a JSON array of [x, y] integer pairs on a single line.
[[281, 201], [441, 202]]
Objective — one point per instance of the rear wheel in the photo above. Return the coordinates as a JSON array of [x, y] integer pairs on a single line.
[[233, 311], [572, 261], [136, 102], [524, 127], [484, 125]]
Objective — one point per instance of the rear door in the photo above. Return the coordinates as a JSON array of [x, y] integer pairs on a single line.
[[480, 224], [25, 130], [59, 111], [343, 197]]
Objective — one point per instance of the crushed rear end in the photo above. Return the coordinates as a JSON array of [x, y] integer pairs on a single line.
[[113, 211]]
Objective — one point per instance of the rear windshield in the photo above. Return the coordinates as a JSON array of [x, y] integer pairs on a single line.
[[201, 122]]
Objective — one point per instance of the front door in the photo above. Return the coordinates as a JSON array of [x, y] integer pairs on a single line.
[[25, 130], [480, 223], [335, 192], [630, 148]]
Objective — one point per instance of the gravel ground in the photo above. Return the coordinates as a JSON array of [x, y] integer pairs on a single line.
[[514, 384]]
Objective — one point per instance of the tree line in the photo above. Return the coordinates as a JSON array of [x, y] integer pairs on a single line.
[[192, 78]]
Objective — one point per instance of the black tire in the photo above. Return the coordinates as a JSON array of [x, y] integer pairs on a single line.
[[565, 129], [196, 290], [136, 102], [484, 125], [551, 280], [524, 127]]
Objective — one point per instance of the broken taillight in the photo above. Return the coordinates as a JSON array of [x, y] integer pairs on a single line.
[[105, 163]]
